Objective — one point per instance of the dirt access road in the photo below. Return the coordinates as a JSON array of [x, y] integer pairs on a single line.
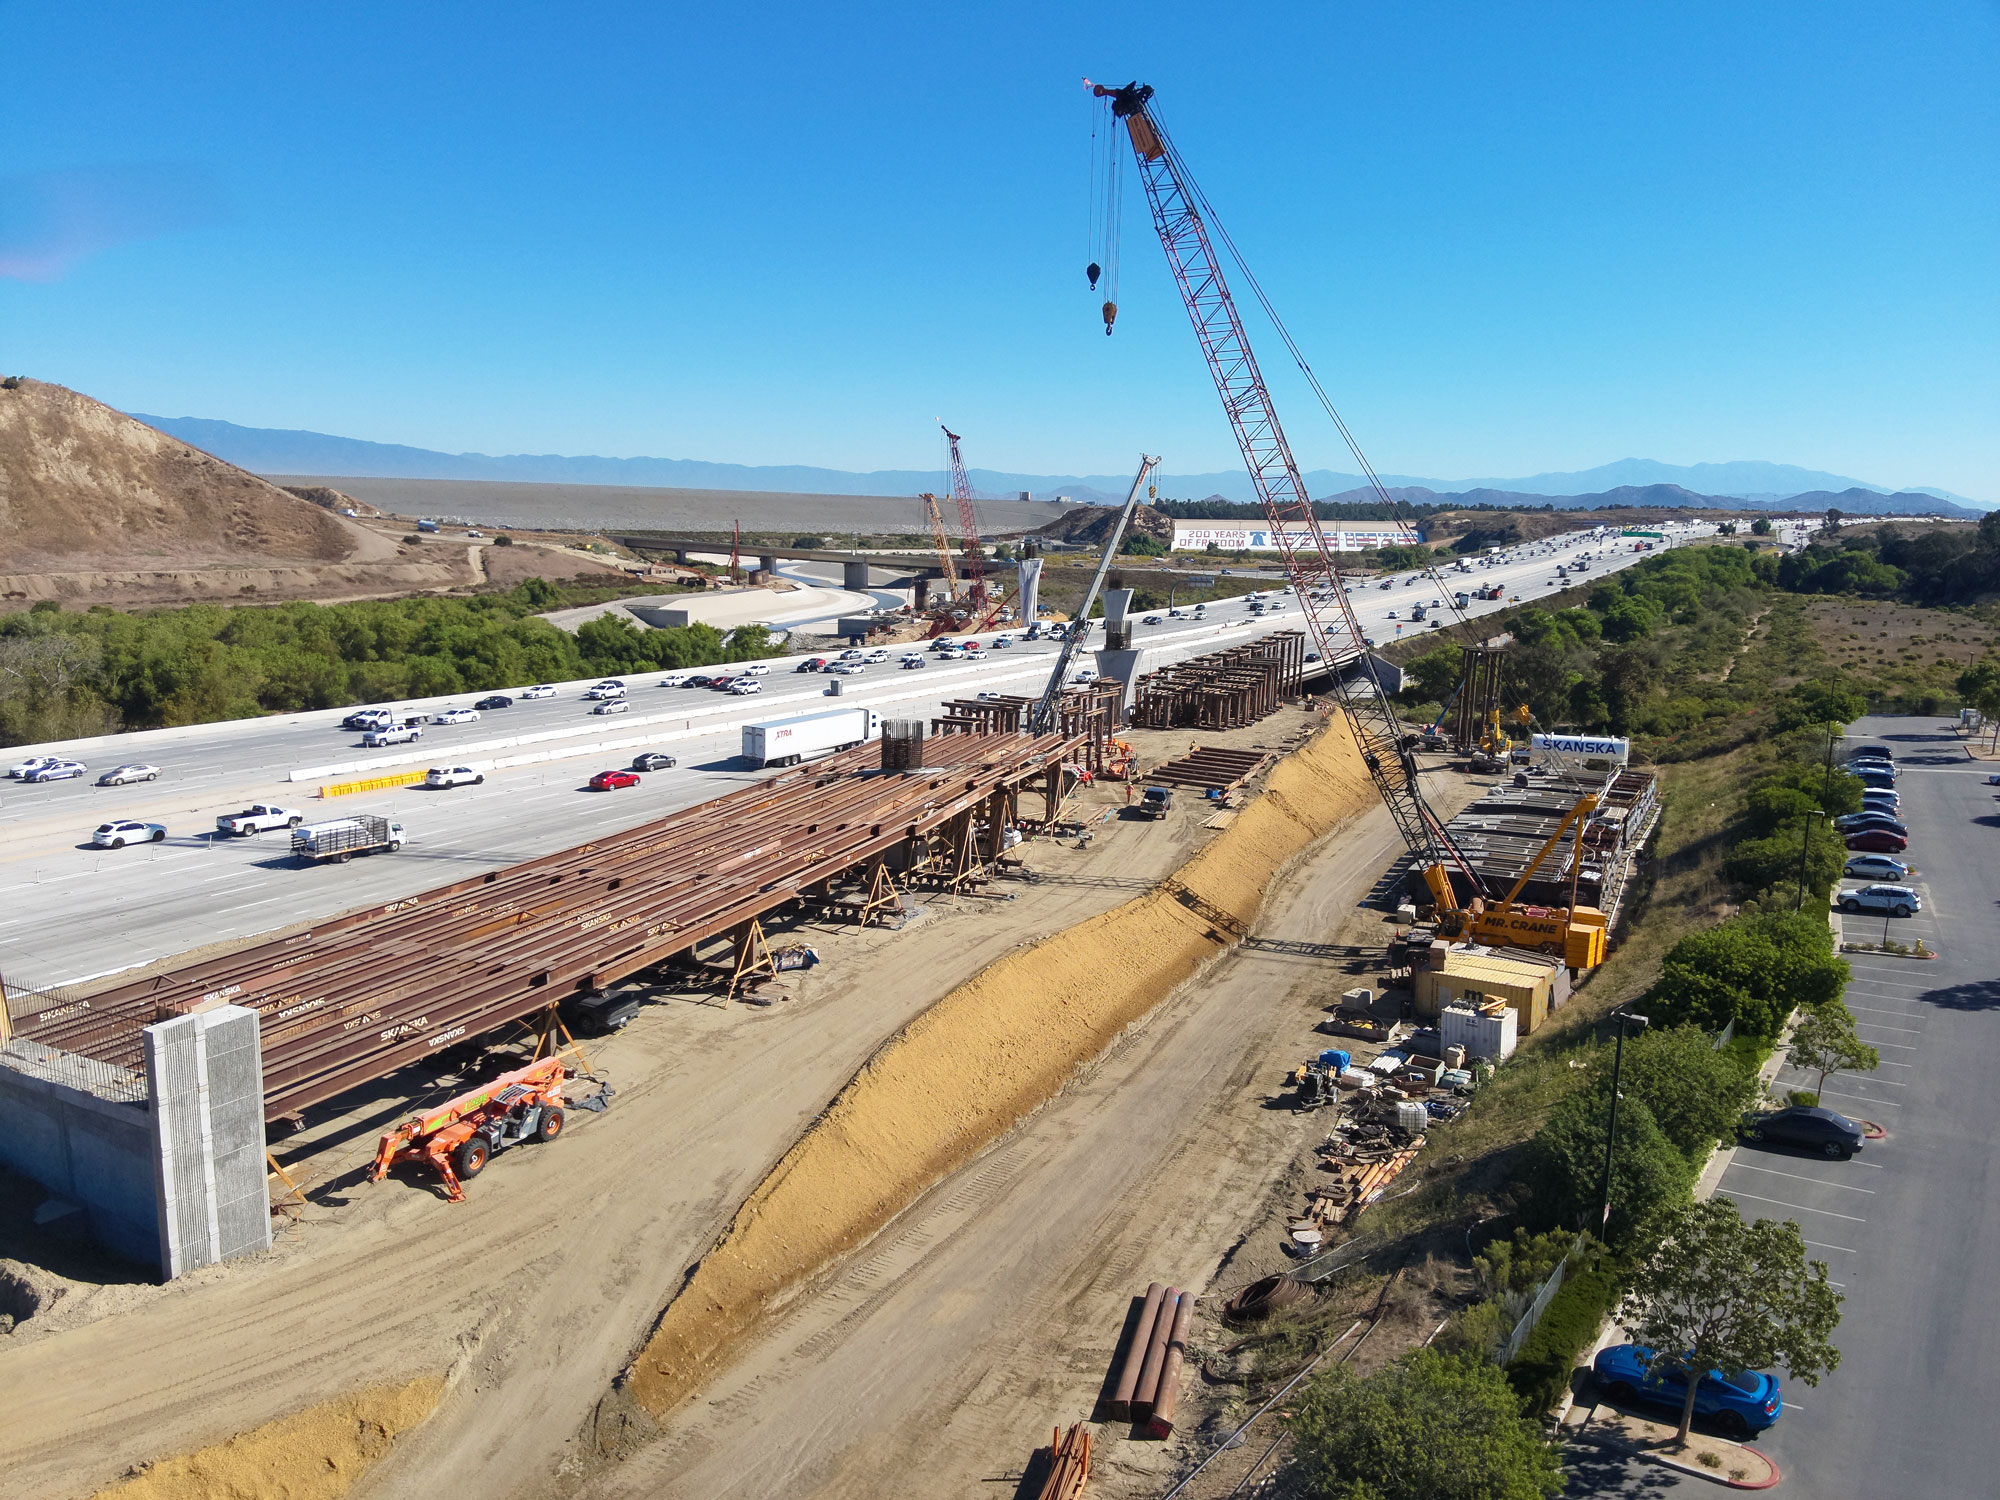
[[533, 1294], [938, 1360]]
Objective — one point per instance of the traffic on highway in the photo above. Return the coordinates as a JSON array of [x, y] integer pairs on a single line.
[[86, 906]]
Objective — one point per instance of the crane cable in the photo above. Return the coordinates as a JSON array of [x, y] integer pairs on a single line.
[[1214, 222]]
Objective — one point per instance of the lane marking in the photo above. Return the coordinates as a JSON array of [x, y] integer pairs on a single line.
[[1799, 1207], [1841, 1248], [1799, 1177], [1883, 1026]]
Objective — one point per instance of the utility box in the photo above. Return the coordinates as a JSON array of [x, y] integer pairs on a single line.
[[1490, 1031]]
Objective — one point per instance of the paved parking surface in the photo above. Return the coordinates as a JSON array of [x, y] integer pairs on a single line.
[[1910, 1228]]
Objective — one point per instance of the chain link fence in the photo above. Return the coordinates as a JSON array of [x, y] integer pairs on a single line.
[[1543, 1296]]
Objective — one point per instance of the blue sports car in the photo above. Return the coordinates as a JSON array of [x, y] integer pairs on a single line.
[[1740, 1404]]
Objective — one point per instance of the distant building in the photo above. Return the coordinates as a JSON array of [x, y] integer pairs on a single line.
[[1343, 536]]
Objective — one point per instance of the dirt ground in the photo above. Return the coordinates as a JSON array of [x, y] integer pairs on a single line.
[[532, 1295], [940, 1357]]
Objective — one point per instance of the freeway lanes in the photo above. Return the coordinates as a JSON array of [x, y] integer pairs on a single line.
[[74, 913]]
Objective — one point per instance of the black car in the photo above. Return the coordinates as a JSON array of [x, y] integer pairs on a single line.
[[1873, 752], [652, 760], [498, 700], [1822, 1130], [699, 682]]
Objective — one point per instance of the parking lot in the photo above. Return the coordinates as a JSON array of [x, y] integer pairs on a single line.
[[1909, 1228]]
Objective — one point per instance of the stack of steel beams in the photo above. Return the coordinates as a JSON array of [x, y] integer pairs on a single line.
[[1224, 689], [360, 995]]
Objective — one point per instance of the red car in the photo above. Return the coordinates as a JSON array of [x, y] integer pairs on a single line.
[[610, 781], [1877, 841]]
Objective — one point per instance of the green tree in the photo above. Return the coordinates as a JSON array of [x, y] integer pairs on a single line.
[[1429, 1427], [1979, 687], [1432, 676], [1648, 1171], [1822, 701], [1825, 1042], [1751, 970], [1720, 1294], [1694, 1093], [1761, 526]]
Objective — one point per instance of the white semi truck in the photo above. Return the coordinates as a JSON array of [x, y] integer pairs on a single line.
[[786, 742]]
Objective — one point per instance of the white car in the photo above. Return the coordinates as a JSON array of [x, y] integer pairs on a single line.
[[758, 669], [394, 734], [855, 655], [57, 770], [456, 716], [1085, 674], [448, 776], [136, 771], [846, 668], [1150, 620], [32, 764], [876, 655], [539, 690], [743, 685], [1897, 900], [117, 835], [612, 706], [606, 692], [677, 679]]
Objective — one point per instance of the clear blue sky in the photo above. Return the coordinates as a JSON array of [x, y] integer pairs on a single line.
[[1512, 238]]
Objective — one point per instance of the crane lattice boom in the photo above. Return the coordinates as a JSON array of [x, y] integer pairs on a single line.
[[968, 524], [1309, 559]]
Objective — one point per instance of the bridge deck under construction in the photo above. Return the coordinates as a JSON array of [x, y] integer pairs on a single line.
[[360, 995]]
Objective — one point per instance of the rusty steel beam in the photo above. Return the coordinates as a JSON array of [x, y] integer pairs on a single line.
[[370, 991]]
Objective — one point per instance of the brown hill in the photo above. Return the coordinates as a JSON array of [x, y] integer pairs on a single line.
[[1090, 525], [86, 487]]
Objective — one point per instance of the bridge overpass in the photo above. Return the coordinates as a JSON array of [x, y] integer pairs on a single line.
[[920, 567]]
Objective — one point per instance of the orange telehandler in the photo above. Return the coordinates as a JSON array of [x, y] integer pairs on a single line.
[[460, 1136]]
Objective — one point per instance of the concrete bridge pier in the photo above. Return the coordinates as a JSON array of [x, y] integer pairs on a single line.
[[769, 564], [854, 575]]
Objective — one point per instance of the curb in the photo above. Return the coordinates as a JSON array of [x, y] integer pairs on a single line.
[[1777, 1476], [1879, 953]]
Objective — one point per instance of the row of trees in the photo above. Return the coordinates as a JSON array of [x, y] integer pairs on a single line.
[[1937, 565], [64, 673]]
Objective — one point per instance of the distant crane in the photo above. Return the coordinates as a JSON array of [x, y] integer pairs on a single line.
[[968, 523]]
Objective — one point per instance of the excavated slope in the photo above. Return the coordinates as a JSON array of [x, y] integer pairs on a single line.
[[86, 487]]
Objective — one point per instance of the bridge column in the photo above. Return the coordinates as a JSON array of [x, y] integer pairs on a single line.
[[681, 556], [854, 575], [768, 564]]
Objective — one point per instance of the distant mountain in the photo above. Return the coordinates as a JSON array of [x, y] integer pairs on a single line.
[[267, 450]]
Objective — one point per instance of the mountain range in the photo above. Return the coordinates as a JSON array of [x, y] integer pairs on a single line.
[[1630, 481]]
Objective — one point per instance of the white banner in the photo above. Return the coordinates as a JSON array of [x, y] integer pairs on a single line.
[[1343, 536]]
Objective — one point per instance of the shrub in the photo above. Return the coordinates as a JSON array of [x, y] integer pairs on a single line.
[[1649, 1173], [1540, 1373], [503, 540]]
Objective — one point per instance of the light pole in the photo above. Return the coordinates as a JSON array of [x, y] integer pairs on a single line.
[[1805, 848], [1619, 1017]]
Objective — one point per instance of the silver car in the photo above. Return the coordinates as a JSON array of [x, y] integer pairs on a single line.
[[1896, 900], [120, 775]]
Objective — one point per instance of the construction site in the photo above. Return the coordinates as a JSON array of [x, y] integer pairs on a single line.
[[941, 1110]]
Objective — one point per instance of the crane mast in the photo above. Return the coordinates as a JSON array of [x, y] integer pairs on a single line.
[[968, 524], [1309, 559]]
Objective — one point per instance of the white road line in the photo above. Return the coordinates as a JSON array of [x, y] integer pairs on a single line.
[[1799, 1207], [248, 904], [1899, 1046], [1740, 1164], [1864, 1098], [1880, 1026], [1841, 1248]]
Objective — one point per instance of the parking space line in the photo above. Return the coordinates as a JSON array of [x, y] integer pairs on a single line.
[[1879, 1026], [1899, 1046], [1860, 1078], [1841, 1248], [1799, 1207], [1864, 1098], [1798, 1177]]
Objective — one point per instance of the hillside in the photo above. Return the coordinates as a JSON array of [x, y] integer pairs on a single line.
[[1090, 525], [86, 487]]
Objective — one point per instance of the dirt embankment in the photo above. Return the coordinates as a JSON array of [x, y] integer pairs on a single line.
[[984, 1056], [316, 1454]]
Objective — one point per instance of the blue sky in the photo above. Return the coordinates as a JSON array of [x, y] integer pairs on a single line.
[[1512, 238]]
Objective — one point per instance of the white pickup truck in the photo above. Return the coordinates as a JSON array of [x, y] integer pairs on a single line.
[[394, 734], [258, 818]]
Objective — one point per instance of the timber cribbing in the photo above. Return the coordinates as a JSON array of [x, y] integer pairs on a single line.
[[362, 994]]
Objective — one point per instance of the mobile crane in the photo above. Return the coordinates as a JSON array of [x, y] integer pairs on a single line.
[[1183, 221]]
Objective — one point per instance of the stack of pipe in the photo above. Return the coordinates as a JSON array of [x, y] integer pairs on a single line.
[[1148, 1383], [1069, 1464]]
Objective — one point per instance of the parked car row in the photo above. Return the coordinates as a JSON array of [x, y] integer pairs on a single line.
[[40, 768]]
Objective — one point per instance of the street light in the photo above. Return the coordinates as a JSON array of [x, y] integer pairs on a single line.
[[1619, 1017], [1805, 848]]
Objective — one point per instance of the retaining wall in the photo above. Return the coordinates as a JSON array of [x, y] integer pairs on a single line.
[[85, 1150]]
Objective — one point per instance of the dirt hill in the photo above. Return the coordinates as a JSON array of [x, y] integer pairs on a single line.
[[86, 487], [1089, 525]]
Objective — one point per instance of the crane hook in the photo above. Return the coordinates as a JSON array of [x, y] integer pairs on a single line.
[[1093, 271], [1110, 317]]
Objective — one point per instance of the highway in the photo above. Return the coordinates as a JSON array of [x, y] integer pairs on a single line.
[[75, 912]]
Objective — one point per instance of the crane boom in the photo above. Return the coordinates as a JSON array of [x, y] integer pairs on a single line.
[[1042, 718], [968, 524], [1309, 559]]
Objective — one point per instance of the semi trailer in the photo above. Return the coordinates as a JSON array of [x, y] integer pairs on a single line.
[[787, 741]]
